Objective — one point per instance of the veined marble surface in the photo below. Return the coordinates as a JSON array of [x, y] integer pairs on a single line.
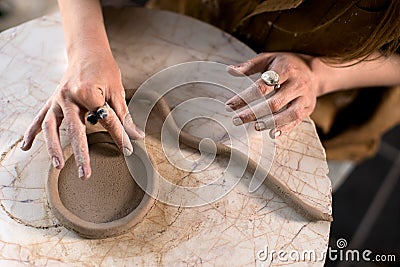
[[228, 232]]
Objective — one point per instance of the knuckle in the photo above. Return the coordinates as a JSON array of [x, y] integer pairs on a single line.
[[292, 69], [247, 116], [275, 104], [297, 113], [36, 120], [51, 150], [28, 135], [73, 129], [64, 91], [127, 119], [280, 60], [80, 158], [109, 122], [70, 130], [123, 93], [250, 62], [46, 124], [303, 84], [121, 111], [83, 90], [262, 87]]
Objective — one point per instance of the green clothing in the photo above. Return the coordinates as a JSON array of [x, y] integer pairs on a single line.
[[349, 123]]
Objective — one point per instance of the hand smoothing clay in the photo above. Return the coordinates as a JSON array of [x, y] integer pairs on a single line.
[[110, 202]]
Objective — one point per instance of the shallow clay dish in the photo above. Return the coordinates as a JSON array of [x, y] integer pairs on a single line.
[[109, 203]]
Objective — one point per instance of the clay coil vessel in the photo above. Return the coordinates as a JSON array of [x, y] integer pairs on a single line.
[[111, 202]]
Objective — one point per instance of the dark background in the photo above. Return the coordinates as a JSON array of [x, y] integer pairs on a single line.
[[366, 207]]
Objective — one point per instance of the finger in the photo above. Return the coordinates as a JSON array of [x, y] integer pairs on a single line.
[[258, 111], [284, 129], [295, 112], [258, 89], [113, 125], [75, 126], [131, 129], [35, 127], [122, 112], [50, 126], [275, 103], [252, 66]]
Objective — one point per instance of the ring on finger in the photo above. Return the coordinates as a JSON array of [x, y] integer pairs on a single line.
[[271, 78], [100, 114]]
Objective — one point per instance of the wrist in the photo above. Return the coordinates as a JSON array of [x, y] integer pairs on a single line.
[[326, 76], [84, 28], [88, 48]]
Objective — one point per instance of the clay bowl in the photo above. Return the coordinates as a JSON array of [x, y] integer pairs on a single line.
[[111, 202]]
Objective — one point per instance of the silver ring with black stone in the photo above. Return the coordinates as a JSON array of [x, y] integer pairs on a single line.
[[100, 114]]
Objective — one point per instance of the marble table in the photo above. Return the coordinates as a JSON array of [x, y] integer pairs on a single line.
[[234, 230]]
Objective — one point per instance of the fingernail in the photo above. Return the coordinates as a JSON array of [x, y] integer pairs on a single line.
[[260, 126], [23, 144], [81, 172], [229, 107], [55, 162], [237, 121], [275, 133], [126, 151]]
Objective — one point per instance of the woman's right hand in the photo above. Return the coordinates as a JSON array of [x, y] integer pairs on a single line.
[[91, 79]]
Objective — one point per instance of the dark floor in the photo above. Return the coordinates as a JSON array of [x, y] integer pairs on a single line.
[[366, 207]]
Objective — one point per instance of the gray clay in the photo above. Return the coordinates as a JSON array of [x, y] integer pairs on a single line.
[[110, 202]]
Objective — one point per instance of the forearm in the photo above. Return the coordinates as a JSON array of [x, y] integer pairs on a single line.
[[384, 71], [84, 27]]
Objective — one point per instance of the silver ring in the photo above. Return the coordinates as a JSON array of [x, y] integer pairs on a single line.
[[271, 78], [100, 114]]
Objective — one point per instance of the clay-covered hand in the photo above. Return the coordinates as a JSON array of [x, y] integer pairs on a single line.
[[287, 106], [89, 82]]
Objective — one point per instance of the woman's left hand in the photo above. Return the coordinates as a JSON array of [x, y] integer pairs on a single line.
[[289, 105]]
